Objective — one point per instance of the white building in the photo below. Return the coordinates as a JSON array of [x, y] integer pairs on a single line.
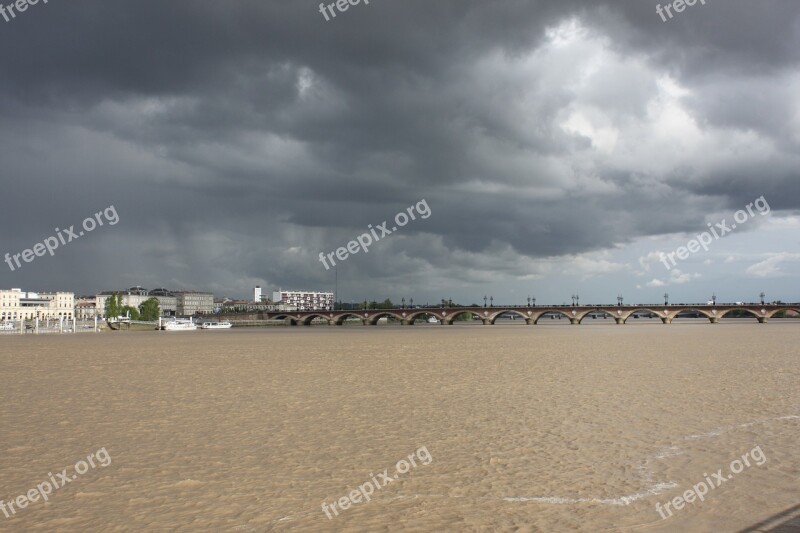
[[304, 300], [257, 294], [16, 304]]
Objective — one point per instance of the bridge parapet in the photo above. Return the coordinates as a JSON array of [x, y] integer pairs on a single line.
[[531, 315]]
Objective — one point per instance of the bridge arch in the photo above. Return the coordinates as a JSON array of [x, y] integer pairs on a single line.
[[292, 320], [340, 318], [598, 310], [373, 319], [493, 318], [750, 312], [659, 314], [308, 319], [537, 316], [416, 315], [683, 310], [770, 314]]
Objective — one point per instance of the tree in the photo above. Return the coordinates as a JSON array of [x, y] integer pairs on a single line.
[[111, 308], [131, 311], [149, 309]]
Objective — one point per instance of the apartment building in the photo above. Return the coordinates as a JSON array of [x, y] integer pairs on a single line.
[[194, 303], [304, 300]]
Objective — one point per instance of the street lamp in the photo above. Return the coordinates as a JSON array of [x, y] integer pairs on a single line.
[[619, 300], [411, 303], [534, 301], [666, 298], [529, 301], [578, 300], [484, 301], [713, 299], [450, 302], [491, 301], [573, 300], [404, 303], [762, 295]]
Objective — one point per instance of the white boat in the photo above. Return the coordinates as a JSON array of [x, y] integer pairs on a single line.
[[7, 326], [433, 320], [217, 325], [179, 324]]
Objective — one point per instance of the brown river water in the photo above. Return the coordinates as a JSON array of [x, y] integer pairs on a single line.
[[509, 428]]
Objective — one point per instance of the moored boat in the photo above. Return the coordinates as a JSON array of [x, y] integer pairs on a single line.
[[179, 324]]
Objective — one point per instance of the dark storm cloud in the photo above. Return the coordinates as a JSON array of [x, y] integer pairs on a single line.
[[239, 139]]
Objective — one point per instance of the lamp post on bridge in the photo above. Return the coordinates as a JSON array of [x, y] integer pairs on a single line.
[[762, 295], [666, 298], [411, 303], [713, 299], [577, 299], [529, 301], [619, 300], [484, 300], [491, 301], [404, 303], [573, 300], [534, 301]]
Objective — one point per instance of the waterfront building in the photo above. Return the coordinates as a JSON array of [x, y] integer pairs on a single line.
[[167, 301], [194, 303], [17, 304], [303, 300], [136, 296], [86, 308], [257, 294]]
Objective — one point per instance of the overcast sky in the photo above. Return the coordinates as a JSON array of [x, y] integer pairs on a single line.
[[560, 145]]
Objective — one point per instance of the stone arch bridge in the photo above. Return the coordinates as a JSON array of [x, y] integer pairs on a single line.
[[531, 315]]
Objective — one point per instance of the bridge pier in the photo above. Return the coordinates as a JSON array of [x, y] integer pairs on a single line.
[[620, 321], [666, 320], [714, 320], [763, 320], [574, 321]]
